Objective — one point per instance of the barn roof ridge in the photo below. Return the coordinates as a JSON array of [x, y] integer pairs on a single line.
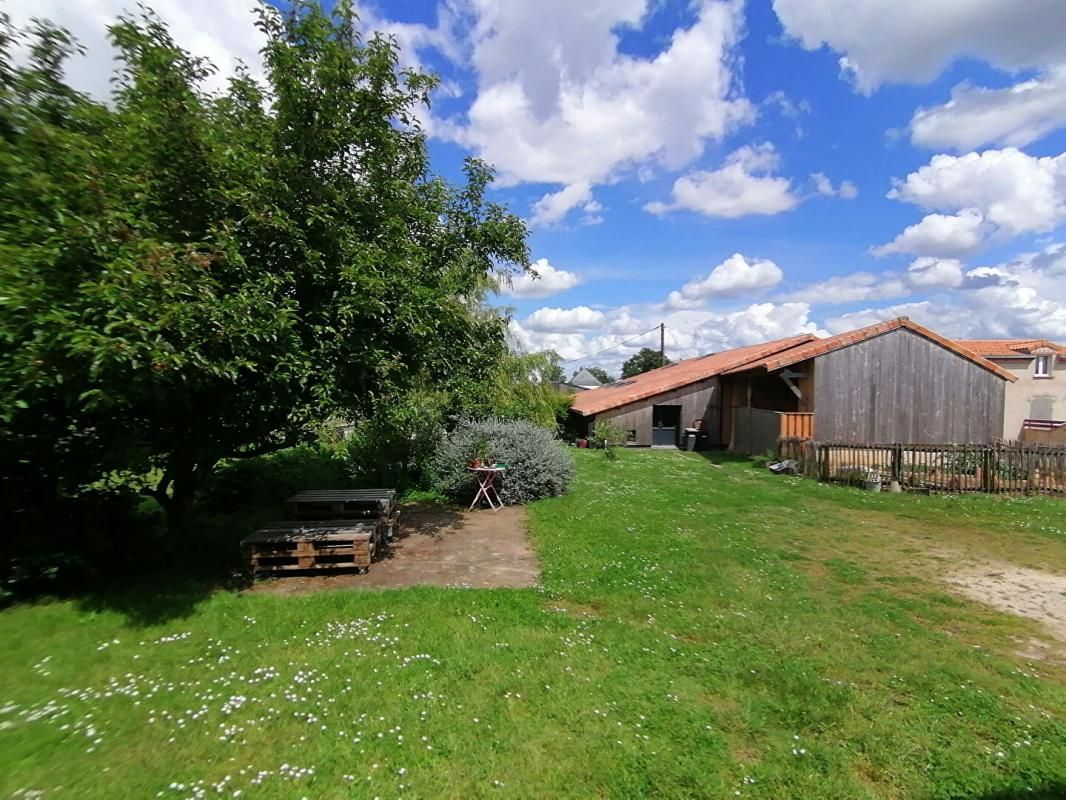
[[820, 347]]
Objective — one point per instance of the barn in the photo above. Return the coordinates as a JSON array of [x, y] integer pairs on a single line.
[[896, 381]]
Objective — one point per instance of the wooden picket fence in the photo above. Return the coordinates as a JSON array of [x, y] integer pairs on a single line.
[[1008, 467]]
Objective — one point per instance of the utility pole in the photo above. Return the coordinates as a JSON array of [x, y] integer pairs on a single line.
[[662, 344]]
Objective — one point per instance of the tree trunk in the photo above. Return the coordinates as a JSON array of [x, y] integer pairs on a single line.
[[177, 489]]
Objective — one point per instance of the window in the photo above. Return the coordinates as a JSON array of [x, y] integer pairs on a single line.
[[1042, 368]]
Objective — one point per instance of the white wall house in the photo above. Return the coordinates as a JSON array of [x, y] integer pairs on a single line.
[[1035, 407]]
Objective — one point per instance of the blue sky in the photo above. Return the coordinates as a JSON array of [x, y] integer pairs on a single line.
[[739, 171]]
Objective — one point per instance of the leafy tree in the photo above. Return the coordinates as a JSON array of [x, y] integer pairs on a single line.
[[643, 361], [601, 374], [189, 277], [520, 392], [553, 371]]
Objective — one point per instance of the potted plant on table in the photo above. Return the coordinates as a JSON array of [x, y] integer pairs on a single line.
[[479, 454]]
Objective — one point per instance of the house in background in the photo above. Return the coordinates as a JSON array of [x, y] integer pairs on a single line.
[[585, 380], [581, 382], [896, 381], [1035, 407]]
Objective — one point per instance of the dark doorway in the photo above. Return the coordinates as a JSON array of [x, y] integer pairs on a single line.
[[665, 422]]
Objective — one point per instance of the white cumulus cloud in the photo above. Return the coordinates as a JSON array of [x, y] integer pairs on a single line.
[[564, 320], [941, 234], [558, 102], [735, 276], [976, 116], [824, 186], [882, 41], [744, 185], [553, 207], [852, 288], [543, 280], [930, 273], [1023, 297], [996, 193]]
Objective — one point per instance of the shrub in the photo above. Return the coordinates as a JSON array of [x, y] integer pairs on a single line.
[[268, 480], [538, 464], [394, 447], [607, 436]]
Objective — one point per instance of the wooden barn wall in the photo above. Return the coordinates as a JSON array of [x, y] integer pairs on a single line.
[[755, 431], [699, 400], [901, 387]]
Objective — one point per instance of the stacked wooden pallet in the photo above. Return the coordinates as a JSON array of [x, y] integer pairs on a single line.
[[326, 530], [311, 545], [377, 504]]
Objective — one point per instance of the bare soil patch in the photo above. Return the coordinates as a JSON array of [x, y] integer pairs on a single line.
[[1013, 572], [1030, 593], [439, 547]]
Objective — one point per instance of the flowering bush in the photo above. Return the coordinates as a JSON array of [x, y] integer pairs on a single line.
[[538, 464]]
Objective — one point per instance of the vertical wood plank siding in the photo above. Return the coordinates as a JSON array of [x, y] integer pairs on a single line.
[[901, 387], [699, 400], [755, 431]]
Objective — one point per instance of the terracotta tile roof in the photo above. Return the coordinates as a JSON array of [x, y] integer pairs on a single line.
[[674, 376], [822, 346], [1008, 347]]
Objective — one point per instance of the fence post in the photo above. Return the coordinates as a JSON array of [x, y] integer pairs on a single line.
[[986, 470], [897, 463]]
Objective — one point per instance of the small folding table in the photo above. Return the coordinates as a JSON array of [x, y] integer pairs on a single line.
[[486, 486]]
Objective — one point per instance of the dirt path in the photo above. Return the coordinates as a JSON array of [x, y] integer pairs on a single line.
[[439, 547], [1030, 593], [1014, 573]]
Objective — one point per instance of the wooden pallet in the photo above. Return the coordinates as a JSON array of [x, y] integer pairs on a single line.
[[342, 504], [337, 504], [317, 545]]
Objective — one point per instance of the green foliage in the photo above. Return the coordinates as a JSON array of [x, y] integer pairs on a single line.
[[553, 371], [268, 480], [394, 446], [538, 464], [191, 277], [765, 459], [608, 437], [643, 361], [519, 389]]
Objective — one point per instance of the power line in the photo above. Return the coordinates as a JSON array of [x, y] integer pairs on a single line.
[[679, 328], [604, 350]]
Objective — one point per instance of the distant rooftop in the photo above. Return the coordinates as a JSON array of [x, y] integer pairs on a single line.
[[586, 379], [1009, 348]]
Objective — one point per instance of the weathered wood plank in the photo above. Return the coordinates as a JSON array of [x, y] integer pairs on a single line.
[[902, 387]]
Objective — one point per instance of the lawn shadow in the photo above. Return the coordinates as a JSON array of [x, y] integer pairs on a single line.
[[722, 456], [142, 572], [155, 599]]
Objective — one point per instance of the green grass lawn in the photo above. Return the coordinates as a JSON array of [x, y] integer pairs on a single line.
[[703, 630]]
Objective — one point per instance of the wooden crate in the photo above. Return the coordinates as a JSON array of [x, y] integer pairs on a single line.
[[318, 545]]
